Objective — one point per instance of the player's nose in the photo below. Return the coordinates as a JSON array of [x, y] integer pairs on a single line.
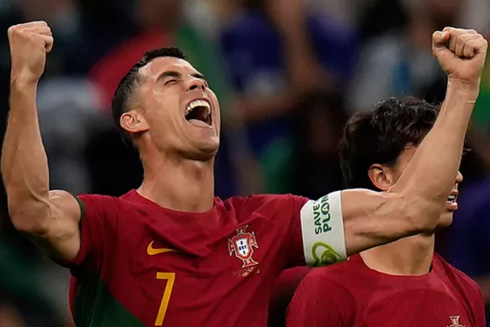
[[459, 177], [196, 83]]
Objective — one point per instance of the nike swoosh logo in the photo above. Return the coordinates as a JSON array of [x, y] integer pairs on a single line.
[[152, 251]]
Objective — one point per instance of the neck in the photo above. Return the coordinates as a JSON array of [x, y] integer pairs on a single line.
[[408, 256], [179, 184]]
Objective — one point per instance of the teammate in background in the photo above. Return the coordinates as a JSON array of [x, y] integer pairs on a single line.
[[170, 253], [403, 283]]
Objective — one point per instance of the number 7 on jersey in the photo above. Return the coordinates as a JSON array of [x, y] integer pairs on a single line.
[[170, 277]]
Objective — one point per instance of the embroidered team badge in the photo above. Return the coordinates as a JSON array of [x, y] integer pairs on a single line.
[[242, 244], [455, 322]]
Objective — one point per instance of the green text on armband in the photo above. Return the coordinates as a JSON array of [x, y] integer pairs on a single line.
[[323, 231], [321, 215]]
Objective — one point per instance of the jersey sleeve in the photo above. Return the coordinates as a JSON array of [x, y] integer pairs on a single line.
[[322, 231], [319, 302], [97, 226]]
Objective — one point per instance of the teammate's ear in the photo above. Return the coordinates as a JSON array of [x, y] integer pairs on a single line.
[[134, 122], [381, 176]]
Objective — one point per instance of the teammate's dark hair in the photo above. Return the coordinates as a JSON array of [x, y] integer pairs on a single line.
[[129, 83], [380, 136]]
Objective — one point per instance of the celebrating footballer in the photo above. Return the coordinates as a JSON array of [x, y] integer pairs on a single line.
[[172, 254]]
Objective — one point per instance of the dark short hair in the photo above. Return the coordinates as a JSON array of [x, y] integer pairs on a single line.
[[381, 135], [129, 83]]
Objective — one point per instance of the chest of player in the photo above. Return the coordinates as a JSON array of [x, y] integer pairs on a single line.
[[182, 274]]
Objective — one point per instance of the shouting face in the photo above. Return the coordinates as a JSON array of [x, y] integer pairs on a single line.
[[175, 109]]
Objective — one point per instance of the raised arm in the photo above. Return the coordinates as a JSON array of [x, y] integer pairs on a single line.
[[414, 204], [51, 219]]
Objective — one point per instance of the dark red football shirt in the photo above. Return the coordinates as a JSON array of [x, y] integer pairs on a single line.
[[144, 265], [351, 294]]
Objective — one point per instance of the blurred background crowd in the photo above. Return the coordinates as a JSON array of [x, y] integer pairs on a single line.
[[288, 74]]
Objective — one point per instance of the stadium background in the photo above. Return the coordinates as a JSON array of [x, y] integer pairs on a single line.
[[288, 74]]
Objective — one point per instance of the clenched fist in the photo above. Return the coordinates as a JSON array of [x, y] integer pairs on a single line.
[[461, 54], [29, 44]]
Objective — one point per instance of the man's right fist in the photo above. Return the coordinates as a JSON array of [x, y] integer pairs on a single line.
[[461, 54], [29, 44]]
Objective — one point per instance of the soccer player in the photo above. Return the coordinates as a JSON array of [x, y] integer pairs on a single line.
[[171, 253], [403, 283]]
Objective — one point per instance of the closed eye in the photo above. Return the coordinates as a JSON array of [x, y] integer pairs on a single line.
[[170, 81]]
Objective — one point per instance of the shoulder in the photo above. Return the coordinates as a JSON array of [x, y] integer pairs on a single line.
[[457, 278], [339, 279], [105, 204], [267, 202], [97, 200], [327, 294]]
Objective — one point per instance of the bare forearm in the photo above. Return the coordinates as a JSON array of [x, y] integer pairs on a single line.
[[428, 179], [24, 162]]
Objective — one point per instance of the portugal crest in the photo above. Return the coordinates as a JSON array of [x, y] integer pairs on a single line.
[[455, 322], [242, 244]]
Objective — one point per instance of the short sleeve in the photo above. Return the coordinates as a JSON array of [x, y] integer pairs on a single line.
[[97, 225], [322, 230], [320, 302]]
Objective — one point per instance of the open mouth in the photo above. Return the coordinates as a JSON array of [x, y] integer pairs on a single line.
[[198, 112], [451, 202], [452, 198]]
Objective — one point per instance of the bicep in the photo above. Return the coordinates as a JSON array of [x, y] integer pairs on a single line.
[[62, 237], [373, 218]]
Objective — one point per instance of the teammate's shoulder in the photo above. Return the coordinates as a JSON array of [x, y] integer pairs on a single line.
[[454, 275], [336, 282], [338, 273]]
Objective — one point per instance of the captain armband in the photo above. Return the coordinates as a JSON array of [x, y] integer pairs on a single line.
[[322, 229]]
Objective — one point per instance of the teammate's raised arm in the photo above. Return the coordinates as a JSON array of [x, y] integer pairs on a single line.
[[51, 219], [415, 202]]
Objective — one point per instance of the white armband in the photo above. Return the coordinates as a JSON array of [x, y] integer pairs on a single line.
[[322, 228]]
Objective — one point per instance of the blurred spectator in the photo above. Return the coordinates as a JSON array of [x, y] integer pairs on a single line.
[[276, 53], [160, 24], [318, 120], [380, 17], [400, 61], [9, 317], [68, 114]]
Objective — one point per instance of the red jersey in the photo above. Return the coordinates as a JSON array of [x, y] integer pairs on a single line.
[[144, 265], [351, 294]]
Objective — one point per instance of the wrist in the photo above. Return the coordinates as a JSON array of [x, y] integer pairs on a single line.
[[463, 85], [21, 82], [468, 91]]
